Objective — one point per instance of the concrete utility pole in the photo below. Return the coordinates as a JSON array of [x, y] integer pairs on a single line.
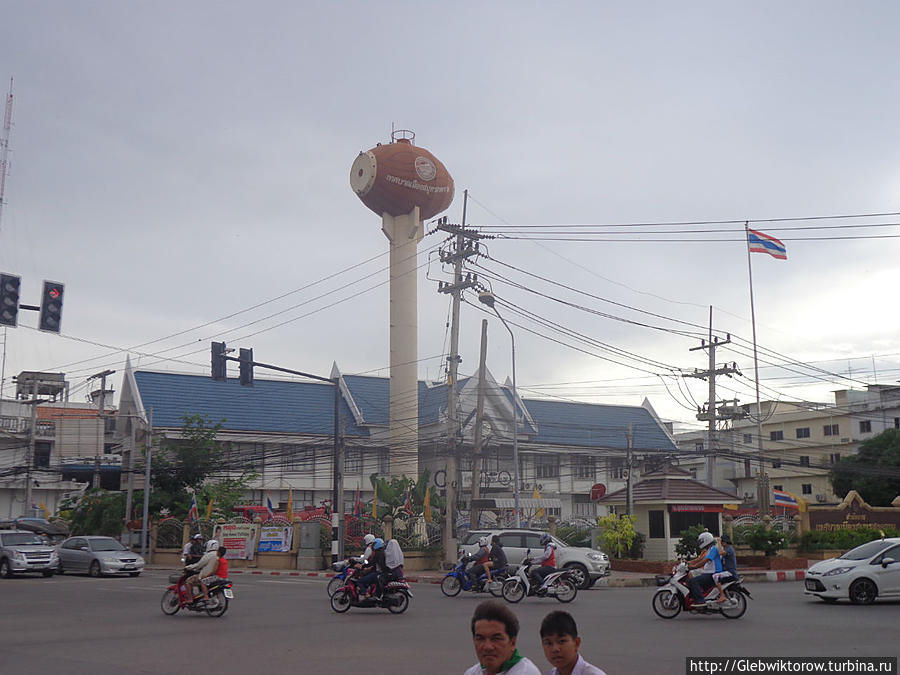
[[145, 521], [29, 453], [465, 246], [475, 514], [629, 482], [129, 495], [101, 443], [710, 413]]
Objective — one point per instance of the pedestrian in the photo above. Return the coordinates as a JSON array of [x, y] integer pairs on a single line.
[[494, 632], [560, 640]]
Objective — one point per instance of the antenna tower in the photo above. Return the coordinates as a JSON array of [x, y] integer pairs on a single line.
[[4, 148]]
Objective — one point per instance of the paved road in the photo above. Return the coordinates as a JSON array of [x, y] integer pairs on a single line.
[[285, 625]]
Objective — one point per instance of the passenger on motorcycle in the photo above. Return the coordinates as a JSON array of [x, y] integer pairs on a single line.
[[222, 567], [205, 568], [481, 557], [498, 561], [711, 561], [379, 570], [547, 560], [393, 559], [193, 549], [729, 565]]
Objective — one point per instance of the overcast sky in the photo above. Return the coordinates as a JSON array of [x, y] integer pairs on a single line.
[[184, 169]]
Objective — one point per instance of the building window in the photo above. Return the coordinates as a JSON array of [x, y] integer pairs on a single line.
[[776, 435], [251, 456], [804, 460], [802, 432], [693, 474], [807, 488], [465, 463], [865, 426], [831, 430], [617, 468], [834, 457], [776, 463], [42, 454], [698, 446], [748, 439], [353, 461], [657, 524], [680, 521], [303, 460], [546, 466], [384, 462], [778, 487], [583, 506], [897, 422], [583, 466]]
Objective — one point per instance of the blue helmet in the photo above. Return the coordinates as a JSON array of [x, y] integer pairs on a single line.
[[378, 544], [545, 539]]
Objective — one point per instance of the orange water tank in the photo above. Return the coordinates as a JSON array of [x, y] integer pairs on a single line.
[[397, 177]]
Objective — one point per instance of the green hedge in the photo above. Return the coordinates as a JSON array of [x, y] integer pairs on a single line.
[[842, 539]]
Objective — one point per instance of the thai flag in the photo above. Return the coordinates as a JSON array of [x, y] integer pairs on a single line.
[[269, 506], [785, 499], [407, 506], [193, 512], [765, 243]]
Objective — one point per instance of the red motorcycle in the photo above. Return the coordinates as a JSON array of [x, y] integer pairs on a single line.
[[180, 596], [395, 597]]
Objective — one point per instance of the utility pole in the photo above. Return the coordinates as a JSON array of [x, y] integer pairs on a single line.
[[101, 444], [475, 514], [129, 495], [629, 482], [145, 521], [465, 246], [29, 453], [710, 414]]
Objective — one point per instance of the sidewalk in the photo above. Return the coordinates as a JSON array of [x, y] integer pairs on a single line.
[[615, 580]]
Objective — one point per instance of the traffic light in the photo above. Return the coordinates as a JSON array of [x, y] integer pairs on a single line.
[[51, 306], [246, 363], [218, 362], [9, 299]]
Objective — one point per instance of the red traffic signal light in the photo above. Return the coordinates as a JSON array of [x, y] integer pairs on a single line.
[[51, 306]]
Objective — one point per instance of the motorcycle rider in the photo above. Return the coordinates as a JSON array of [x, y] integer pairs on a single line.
[[729, 565], [379, 570], [711, 561], [498, 561], [481, 557], [547, 561], [193, 549], [368, 540], [204, 568]]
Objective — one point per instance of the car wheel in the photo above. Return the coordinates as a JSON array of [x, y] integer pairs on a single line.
[[863, 592], [578, 575], [5, 570], [94, 571], [60, 570]]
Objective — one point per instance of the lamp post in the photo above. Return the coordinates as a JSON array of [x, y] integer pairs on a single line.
[[487, 298]]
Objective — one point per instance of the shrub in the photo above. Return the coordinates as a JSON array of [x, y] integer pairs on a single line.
[[687, 546], [617, 534], [761, 538], [636, 552], [842, 539]]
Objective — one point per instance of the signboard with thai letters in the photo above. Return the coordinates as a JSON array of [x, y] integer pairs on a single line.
[[853, 513]]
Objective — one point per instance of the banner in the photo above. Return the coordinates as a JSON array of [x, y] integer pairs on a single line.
[[275, 538], [238, 538]]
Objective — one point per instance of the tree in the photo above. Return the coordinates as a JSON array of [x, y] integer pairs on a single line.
[[188, 461], [618, 533], [392, 495], [874, 471], [95, 512]]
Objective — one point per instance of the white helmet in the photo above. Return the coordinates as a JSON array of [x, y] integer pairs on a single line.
[[212, 545], [483, 541], [705, 539], [369, 539]]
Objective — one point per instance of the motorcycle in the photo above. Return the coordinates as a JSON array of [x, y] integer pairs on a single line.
[[395, 597], [342, 567], [180, 596], [676, 595], [557, 584], [457, 580]]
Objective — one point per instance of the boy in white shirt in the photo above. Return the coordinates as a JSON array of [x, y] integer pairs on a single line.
[[559, 638]]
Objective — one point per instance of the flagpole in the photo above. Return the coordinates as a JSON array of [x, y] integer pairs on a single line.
[[762, 494]]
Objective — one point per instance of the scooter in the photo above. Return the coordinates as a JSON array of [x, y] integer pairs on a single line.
[[180, 596], [457, 580], [555, 585], [395, 597], [675, 595], [342, 567]]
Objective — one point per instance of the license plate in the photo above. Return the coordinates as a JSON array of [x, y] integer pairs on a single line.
[[128, 567], [229, 593]]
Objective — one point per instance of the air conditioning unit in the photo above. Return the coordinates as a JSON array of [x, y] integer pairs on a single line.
[[821, 498]]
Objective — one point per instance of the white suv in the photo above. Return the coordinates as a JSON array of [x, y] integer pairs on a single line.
[[587, 565], [22, 551]]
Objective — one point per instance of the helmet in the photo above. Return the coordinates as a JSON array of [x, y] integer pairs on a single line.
[[545, 539], [483, 541], [368, 539], [378, 543], [705, 539], [212, 545], [197, 536]]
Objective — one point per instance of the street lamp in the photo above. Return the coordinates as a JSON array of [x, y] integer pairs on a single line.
[[487, 298]]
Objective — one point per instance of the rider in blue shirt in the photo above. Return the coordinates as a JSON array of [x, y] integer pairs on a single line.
[[711, 561]]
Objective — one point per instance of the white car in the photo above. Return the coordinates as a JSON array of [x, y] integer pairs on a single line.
[[867, 572], [587, 564]]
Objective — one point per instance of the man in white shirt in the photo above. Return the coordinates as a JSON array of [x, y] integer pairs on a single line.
[[559, 638], [494, 631]]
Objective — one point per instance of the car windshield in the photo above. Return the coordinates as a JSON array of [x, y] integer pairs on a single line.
[[20, 539], [865, 551], [473, 537], [106, 545]]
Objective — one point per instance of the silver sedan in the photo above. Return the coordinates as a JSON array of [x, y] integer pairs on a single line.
[[98, 556]]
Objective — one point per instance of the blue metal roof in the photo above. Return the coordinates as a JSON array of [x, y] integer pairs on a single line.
[[269, 405], [372, 397]]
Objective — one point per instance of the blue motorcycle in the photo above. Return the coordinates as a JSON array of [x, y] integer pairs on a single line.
[[342, 567], [457, 580]]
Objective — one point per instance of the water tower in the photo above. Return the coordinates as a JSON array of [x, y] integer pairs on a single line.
[[404, 184]]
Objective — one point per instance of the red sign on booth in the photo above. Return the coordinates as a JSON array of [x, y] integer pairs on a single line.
[[597, 491], [696, 508]]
